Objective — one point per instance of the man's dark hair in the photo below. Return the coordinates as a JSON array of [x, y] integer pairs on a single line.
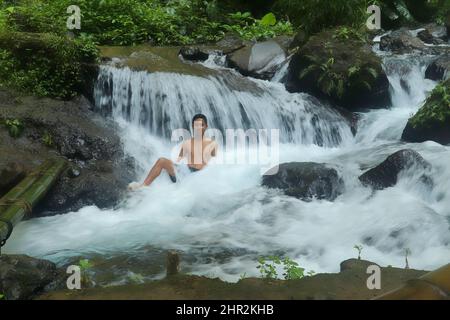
[[200, 116]]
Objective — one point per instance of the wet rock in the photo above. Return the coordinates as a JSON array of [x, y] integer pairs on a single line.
[[427, 37], [401, 41], [23, 277], [259, 60], [306, 180], [386, 174], [194, 53], [54, 128], [439, 69], [230, 43], [345, 71], [356, 265], [10, 174], [432, 121]]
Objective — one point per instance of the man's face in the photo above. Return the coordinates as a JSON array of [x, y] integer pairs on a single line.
[[199, 127]]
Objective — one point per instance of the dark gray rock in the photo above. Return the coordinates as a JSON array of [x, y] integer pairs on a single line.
[[386, 174], [23, 277], [366, 86], [439, 69], [401, 41], [194, 53], [10, 175], [306, 180], [54, 128]]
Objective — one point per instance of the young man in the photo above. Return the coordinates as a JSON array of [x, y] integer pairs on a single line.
[[197, 151]]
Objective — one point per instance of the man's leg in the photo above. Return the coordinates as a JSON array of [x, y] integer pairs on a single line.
[[161, 163]]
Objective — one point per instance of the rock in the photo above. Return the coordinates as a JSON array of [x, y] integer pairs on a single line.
[[356, 265], [54, 128], [230, 43], [401, 41], [194, 54], [299, 40], [345, 71], [439, 69], [259, 60], [306, 180], [23, 277], [386, 174], [285, 42], [10, 174], [432, 121], [427, 37]]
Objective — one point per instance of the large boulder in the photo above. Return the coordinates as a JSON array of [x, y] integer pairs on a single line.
[[386, 174], [23, 277], [10, 175], [259, 60], [432, 121], [344, 70], [98, 172], [439, 69], [306, 180], [401, 41]]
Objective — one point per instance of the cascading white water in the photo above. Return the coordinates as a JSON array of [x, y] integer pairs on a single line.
[[163, 102], [221, 218]]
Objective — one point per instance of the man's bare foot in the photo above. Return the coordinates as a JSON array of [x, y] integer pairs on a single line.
[[133, 186]]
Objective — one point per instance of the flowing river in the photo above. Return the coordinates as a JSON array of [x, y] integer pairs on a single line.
[[221, 219]]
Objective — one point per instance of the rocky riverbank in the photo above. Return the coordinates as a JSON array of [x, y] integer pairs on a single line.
[[99, 170]]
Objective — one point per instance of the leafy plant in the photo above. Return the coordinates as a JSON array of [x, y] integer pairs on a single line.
[[85, 265], [243, 276], [292, 270], [2, 296], [268, 268], [15, 127], [329, 82], [47, 139], [359, 248]]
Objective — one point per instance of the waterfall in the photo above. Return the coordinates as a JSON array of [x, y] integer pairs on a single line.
[[220, 218], [162, 102]]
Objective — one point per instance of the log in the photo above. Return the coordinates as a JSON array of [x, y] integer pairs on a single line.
[[27, 194]]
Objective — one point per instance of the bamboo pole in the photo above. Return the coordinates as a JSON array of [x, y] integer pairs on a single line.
[[26, 200], [23, 185]]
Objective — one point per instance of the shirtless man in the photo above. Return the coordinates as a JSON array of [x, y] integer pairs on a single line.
[[197, 151]]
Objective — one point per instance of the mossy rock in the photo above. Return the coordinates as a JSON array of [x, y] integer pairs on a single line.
[[340, 65], [46, 64], [432, 121]]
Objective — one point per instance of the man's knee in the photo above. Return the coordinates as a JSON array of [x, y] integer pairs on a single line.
[[163, 162]]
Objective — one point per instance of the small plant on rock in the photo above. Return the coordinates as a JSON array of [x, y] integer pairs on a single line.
[[15, 127], [359, 248]]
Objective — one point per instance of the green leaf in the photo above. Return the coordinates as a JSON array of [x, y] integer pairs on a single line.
[[269, 19]]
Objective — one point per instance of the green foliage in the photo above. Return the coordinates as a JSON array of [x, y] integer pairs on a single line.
[[129, 22], [2, 296], [268, 268], [52, 66], [249, 28], [15, 127], [47, 139], [328, 81], [359, 248], [436, 109], [292, 271], [84, 264], [315, 15]]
